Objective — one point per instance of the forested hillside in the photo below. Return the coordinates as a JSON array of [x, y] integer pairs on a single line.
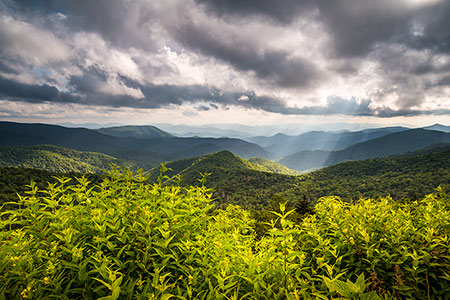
[[411, 175], [59, 159], [266, 165], [238, 181]]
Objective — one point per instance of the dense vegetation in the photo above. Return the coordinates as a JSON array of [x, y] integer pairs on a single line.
[[412, 176], [59, 159], [265, 165], [126, 239], [235, 180], [14, 181], [238, 181]]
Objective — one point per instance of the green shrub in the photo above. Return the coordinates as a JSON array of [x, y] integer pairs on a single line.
[[127, 239]]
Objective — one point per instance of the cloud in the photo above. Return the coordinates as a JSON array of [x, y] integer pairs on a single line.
[[26, 44], [246, 54], [17, 91], [376, 58], [432, 32], [283, 11], [161, 96]]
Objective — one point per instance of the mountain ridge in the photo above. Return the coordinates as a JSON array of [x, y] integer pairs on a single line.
[[391, 144]]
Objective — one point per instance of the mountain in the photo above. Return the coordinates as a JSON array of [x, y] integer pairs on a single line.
[[146, 152], [265, 165], [391, 144], [401, 176], [143, 132], [237, 181], [282, 145], [438, 127], [234, 179], [58, 159]]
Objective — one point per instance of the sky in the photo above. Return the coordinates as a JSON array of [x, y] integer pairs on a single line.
[[254, 62]]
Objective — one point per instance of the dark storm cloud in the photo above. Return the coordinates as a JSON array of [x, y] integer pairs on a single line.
[[13, 90], [275, 66], [435, 33], [356, 26], [283, 11]]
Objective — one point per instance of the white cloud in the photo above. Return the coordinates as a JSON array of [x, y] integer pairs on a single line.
[[24, 42]]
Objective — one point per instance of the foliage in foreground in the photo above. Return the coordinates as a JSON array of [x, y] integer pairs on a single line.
[[126, 239]]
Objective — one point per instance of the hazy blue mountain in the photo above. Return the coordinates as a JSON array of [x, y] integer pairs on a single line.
[[144, 132], [282, 145], [438, 127], [247, 131], [87, 125], [147, 152], [391, 144]]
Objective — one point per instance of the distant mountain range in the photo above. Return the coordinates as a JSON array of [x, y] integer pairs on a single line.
[[438, 127], [146, 152], [142, 132], [281, 145], [148, 146], [389, 144]]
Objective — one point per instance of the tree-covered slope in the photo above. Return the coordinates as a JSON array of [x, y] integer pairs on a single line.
[[391, 144], [59, 159], [399, 176], [409, 175], [234, 179], [144, 132], [266, 165]]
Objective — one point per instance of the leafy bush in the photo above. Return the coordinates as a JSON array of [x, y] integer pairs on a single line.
[[127, 239]]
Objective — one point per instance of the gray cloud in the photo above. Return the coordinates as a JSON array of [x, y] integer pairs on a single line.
[[434, 22], [158, 96], [123, 23], [13, 90], [283, 11], [273, 65], [124, 63], [357, 26]]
